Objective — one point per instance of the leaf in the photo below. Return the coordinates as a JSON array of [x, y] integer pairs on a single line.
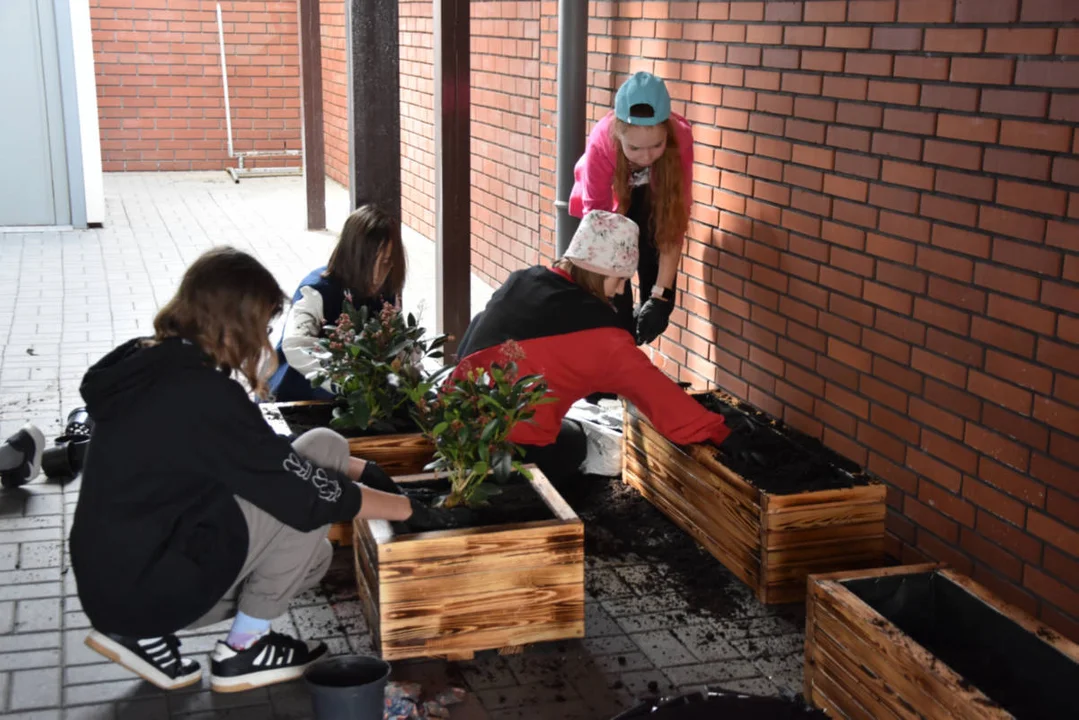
[[478, 495], [490, 430], [439, 428], [488, 400], [361, 414]]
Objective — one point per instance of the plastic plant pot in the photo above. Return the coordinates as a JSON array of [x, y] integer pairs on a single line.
[[350, 687]]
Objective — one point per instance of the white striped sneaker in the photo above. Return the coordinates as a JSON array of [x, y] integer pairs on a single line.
[[155, 659], [273, 658]]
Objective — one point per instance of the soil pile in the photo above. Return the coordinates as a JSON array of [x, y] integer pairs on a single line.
[[776, 458], [516, 502]]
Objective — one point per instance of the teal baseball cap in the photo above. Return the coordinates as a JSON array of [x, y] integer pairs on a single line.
[[643, 88]]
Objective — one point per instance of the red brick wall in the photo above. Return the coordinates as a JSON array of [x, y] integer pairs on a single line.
[[505, 137], [417, 117], [159, 81], [505, 131], [548, 148], [335, 88], [885, 251], [417, 100]]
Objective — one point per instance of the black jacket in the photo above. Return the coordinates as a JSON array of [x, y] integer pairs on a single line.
[[158, 537], [576, 342]]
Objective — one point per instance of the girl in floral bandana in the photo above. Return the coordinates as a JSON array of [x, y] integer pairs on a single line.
[[568, 330]]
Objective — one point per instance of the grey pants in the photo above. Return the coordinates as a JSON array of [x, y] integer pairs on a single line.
[[281, 562]]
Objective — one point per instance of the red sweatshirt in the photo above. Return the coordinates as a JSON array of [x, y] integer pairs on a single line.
[[573, 339]]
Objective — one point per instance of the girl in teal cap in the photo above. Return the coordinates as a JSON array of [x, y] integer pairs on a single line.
[[639, 162]]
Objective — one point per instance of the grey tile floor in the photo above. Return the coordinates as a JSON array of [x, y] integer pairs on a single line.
[[67, 297]]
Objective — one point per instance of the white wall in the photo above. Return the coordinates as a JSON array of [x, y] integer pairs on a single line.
[[85, 94]]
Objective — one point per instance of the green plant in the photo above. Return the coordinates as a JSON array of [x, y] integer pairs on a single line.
[[376, 364], [470, 419]]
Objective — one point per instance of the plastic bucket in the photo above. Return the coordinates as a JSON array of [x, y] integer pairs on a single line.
[[350, 687], [65, 459]]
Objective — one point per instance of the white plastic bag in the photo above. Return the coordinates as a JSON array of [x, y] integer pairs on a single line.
[[602, 425]]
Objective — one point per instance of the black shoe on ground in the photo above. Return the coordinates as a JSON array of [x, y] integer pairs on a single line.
[[273, 658], [156, 660], [30, 441]]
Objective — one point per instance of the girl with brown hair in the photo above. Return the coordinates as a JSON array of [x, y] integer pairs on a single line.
[[191, 508], [368, 262], [639, 162]]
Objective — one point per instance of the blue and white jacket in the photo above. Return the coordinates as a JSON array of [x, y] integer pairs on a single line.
[[317, 302]]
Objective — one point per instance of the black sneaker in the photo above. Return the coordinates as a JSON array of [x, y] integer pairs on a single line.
[[273, 658], [156, 660], [30, 441]]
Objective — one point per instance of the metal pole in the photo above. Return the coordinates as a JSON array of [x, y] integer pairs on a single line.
[[224, 76], [314, 154], [572, 96], [374, 104], [453, 158]]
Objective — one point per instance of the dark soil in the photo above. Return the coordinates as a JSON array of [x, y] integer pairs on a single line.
[[518, 502], [618, 521], [301, 418], [1013, 667], [722, 705], [775, 458]]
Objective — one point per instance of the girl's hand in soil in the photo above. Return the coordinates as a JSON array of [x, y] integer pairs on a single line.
[[428, 518], [375, 477]]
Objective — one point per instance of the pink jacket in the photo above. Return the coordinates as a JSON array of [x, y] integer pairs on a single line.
[[593, 175]]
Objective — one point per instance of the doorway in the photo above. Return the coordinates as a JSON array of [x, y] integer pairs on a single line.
[[34, 175]]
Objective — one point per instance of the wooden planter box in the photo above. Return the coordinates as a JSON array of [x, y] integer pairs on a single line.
[[771, 542], [921, 641], [453, 592], [397, 454]]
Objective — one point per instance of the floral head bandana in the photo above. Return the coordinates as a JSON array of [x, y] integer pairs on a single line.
[[605, 243]]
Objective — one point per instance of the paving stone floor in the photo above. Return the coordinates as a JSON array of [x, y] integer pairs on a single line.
[[69, 296]]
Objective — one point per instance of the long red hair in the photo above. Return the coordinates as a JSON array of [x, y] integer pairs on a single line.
[[670, 216]]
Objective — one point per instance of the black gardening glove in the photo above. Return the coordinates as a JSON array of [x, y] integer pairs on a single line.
[[376, 478], [424, 518], [652, 319]]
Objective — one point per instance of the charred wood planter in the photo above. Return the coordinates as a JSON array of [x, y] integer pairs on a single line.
[[514, 578], [404, 453], [778, 507], [923, 642]]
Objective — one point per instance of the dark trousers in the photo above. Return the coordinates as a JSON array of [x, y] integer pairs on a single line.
[[640, 212], [561, 460]]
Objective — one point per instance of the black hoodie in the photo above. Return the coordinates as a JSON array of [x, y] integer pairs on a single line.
[[158, 537]]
